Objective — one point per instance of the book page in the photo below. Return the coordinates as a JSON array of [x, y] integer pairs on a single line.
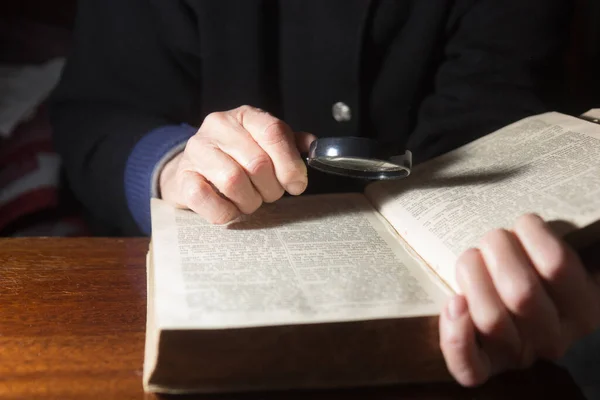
[[547, 164], [300, 260]]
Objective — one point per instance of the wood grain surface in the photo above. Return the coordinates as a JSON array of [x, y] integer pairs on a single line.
[[72, 322]]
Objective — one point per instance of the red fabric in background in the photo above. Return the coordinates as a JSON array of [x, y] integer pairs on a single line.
[[32, 196]]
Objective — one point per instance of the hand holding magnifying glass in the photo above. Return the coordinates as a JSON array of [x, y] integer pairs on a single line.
[[242, 158], [358, 157]]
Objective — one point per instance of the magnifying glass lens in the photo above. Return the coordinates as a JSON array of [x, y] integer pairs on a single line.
[[357, 157], [359, 164]]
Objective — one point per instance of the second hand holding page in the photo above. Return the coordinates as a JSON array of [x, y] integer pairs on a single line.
[[548, 165]]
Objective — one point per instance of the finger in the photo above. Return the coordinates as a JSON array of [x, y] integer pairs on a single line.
[[566, 279], [276, 138], [521, 291], [488, 313], [199, 196], [170, 180], [303, 141], [228, 177], [467, 363], [236, 142]]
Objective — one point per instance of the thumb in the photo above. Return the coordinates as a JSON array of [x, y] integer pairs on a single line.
[[303, 141]]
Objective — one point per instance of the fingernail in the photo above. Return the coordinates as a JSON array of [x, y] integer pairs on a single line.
[[537, 217], [296, 187], [457, 307]]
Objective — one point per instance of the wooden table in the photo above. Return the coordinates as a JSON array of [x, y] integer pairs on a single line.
[[72, 321]]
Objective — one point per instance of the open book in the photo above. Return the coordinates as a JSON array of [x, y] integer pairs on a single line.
[[345, 289]]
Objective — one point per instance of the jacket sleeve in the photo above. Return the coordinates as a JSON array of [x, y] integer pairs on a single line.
[[123, 104], [502, 62]]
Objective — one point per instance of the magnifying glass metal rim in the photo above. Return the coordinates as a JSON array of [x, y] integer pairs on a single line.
[[324, 151]]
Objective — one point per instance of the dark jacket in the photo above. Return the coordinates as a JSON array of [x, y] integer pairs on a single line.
[[428, 75]]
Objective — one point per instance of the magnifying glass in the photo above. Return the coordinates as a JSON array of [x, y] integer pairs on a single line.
[[358, 157]]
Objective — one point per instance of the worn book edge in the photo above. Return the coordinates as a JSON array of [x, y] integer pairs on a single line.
[[152, 333]]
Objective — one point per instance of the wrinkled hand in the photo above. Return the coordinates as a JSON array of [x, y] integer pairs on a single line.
[[237, 160], [524, 295]]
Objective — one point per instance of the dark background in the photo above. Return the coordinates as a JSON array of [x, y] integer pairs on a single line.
[[35, 31]]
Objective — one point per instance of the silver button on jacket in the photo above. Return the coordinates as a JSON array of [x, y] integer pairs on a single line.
[[341, 112]]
